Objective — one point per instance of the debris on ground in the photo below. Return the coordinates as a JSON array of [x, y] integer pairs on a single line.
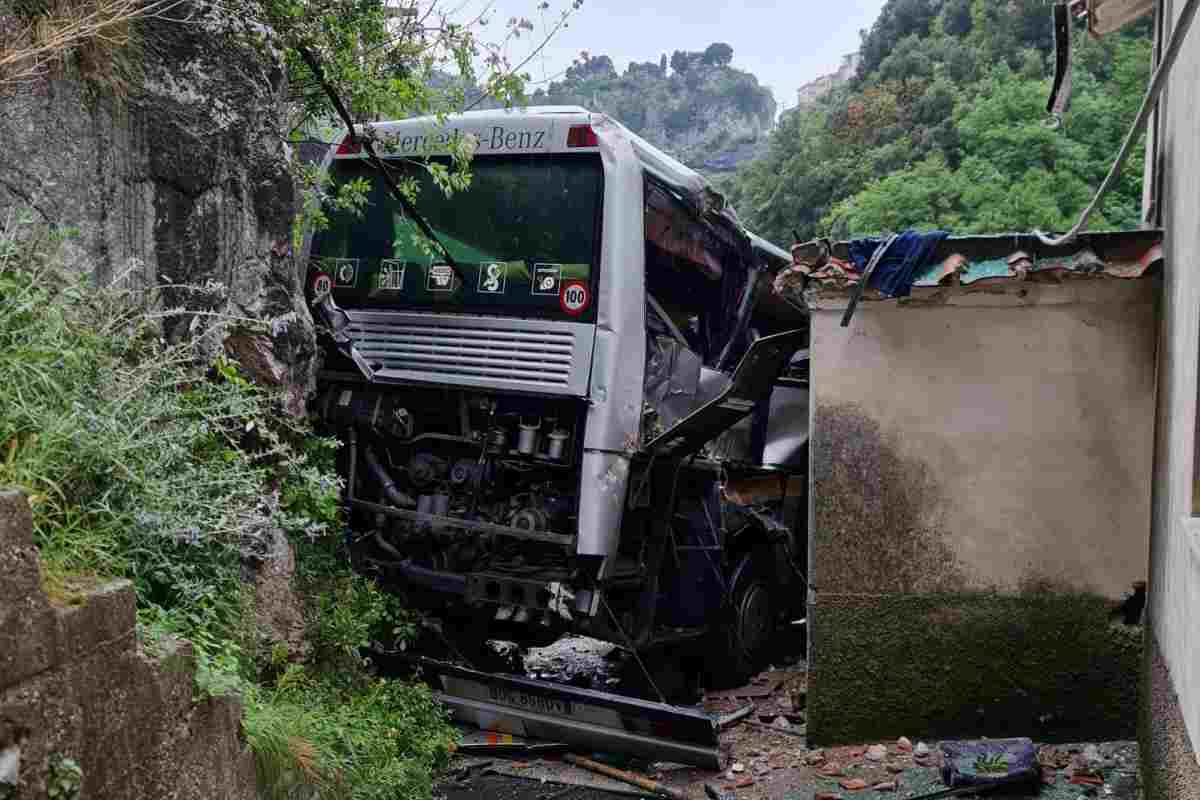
[[767, 741], [625, 776], [985, 762]]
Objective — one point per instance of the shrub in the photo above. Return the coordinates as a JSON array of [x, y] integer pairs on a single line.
[[142, 460]]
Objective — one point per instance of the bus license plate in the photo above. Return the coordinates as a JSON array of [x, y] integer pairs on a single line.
[[531, 702]]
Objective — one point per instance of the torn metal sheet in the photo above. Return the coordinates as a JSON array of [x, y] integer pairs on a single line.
[[752, 380], [587, 719]]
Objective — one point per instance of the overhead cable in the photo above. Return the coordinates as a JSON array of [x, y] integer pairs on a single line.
[[1156, 86]]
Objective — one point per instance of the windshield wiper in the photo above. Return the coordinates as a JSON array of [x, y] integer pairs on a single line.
[[409, 209]]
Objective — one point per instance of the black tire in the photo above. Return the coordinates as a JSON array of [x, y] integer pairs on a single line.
[[742, 644]]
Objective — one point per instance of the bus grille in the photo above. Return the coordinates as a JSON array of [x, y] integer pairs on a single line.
[[535, 355]]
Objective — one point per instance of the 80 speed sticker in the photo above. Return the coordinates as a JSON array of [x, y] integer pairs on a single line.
[[574, 297]]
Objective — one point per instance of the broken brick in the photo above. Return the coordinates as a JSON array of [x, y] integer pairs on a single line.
[[853, 784], [827, 796], [886, 786]]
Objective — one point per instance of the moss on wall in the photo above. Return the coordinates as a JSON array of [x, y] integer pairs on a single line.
[[877, 514], [1045, 663]]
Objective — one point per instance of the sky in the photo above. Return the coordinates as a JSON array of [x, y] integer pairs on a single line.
[[784, 44]]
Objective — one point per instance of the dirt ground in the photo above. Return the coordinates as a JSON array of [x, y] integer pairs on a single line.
[[769, 754], [788, 776]]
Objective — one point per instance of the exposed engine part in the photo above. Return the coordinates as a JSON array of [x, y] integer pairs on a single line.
[[529, 519], [425, 470], [376, 411], [465, 471], [498, 438], [557, 442], [433, 504], [527, 437], [474, 465], [387, 485]]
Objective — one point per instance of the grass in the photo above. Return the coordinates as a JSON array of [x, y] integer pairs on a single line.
[[144, 461]]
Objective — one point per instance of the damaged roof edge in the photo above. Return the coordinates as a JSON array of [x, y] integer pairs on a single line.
[[965, 261], [701, 194]]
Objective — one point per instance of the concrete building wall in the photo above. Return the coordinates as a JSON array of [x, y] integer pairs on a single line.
[[981, 466], [1174, 585]]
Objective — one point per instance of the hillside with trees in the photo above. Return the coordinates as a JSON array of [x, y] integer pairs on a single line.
[[694, 104], [945, 126]]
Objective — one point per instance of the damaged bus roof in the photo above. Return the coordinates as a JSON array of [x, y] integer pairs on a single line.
[[552, 129]]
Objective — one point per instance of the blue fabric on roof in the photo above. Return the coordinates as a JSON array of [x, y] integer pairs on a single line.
[[905, 259]]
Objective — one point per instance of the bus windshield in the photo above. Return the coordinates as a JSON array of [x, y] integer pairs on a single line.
[[524, 235]]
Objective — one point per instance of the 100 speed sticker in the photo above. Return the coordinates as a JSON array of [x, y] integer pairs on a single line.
[[574, 297]]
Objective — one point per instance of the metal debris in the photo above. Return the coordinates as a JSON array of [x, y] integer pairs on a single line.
[[580, 717]]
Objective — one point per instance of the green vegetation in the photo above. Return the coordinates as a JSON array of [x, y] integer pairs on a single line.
[[147, 461], [992, 763], [945, 127], [66, 777]]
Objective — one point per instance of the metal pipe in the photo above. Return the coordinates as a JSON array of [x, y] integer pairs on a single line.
[[387, 547], [625, 776], [445, 582], [394, 495], [467, 524]]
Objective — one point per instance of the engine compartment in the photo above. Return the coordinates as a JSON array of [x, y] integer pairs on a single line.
[[472, 482]]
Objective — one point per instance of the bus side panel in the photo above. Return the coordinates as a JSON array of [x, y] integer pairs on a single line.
[[618, 360]]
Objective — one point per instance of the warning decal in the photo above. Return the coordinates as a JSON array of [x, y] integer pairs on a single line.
[[575, 297], [547, 279], [322, 284]]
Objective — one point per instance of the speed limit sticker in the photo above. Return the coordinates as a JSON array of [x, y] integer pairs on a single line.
[[574, 297]]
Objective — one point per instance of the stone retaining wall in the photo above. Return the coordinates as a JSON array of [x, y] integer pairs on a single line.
[[76, 684]]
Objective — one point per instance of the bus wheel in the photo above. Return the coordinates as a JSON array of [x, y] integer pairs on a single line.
[[746, 635]]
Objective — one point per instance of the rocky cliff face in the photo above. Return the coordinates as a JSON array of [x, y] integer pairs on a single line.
[[712, 117], [184, 181]]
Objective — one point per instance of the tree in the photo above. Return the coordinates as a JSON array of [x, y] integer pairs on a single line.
[[380, 56], [589, 67], [718, 54], [943, 126], [681, 61]]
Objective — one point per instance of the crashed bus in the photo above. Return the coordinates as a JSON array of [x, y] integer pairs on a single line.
[[591, 418]]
